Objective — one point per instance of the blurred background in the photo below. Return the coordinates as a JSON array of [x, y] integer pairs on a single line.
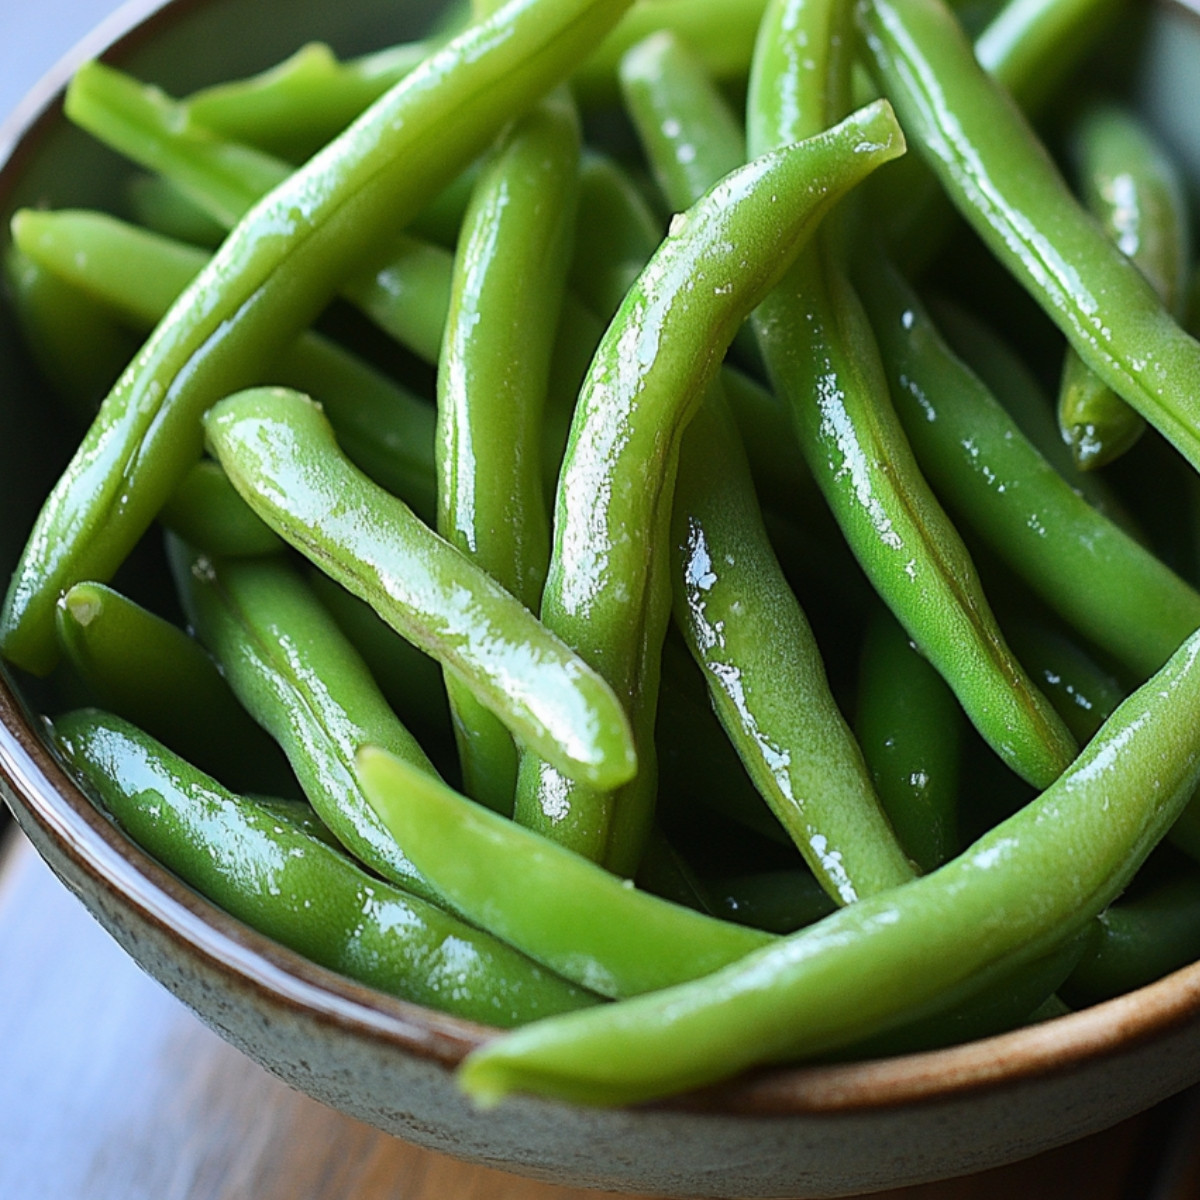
[[33, 36]]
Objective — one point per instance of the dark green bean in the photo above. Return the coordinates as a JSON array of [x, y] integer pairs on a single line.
[[910, 729]]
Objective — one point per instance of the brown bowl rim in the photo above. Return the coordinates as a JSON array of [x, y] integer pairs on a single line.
[[49, 802], [48, 797]]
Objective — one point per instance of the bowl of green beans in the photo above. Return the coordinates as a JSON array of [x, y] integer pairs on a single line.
[[612, 588]]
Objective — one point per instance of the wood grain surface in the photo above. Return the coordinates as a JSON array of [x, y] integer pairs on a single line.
[[111, 1090]]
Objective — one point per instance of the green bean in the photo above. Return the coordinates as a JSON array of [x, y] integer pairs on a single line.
[[278, 450], [910, 729], [565, 912], [1099, 580], [1139, 940], [1017, 388], [1006, 186], [1136, 192], [738, 615], [493, 376], [384, 428], [272, 275], [206, 512], [302, 681], [687, 129], [295, 107], [1029, 47], [903, 954], [604, 594], [410, 680], [823, 359], [266, 870], [147, 670], [779, 901], [721, 32], [407, 296], [1084, 693], [764, 672], [157, 204], [78, 346], [622, 233]]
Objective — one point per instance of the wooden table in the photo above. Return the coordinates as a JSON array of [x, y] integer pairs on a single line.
[[111, 1090]]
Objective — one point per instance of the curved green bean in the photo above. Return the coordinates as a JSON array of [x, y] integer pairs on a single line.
[[1008, 189], [903, 954], [278, 450], [562, 910], [303, 682], [604, 594], [264, 868], [822, 357], [1138, 195], [1104, 584]]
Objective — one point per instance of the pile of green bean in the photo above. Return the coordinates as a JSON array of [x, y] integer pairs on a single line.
[[624, 578]]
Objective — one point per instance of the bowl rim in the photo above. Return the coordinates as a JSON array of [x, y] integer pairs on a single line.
[[46, 800]]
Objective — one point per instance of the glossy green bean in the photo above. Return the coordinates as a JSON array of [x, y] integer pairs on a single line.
[[268, 871], [1010, 192], [565, 912], [604, 594], [738, 615], [385, 429], [302, 681], [902, 954], [764, 671], [493, 376], [149, 671], [910, 729], [270, 278], [1030, 47], [823, 359], [1134, 189], [1104, 584], [279, 452]]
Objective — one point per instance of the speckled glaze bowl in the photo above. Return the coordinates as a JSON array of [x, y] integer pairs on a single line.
[[806, 1132]]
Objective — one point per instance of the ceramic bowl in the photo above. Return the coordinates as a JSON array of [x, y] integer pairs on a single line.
[[806, 1132]]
